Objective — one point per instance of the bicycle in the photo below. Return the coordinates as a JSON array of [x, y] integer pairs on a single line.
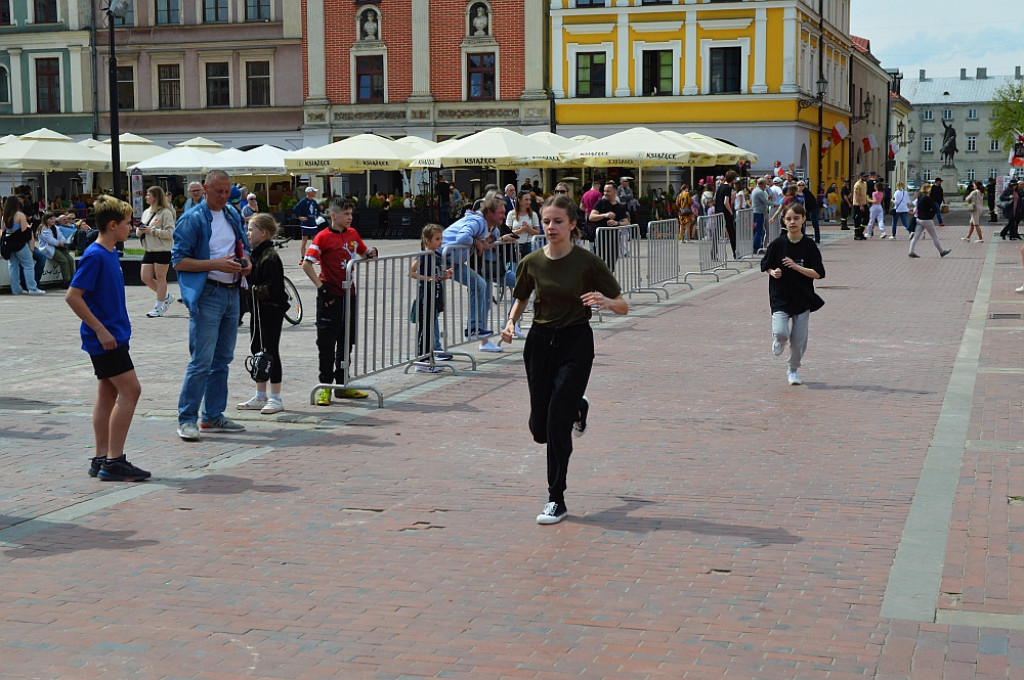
[[294, 313]]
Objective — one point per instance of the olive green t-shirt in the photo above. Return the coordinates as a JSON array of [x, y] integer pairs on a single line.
[[558, 285]]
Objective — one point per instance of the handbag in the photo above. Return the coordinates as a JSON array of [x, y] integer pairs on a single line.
[[5, 246], [944, 209], [260, 363]]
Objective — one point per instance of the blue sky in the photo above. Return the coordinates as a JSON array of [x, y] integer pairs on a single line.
[[941, 36]]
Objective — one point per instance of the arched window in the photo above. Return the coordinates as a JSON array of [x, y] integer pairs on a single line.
[[5, 86]]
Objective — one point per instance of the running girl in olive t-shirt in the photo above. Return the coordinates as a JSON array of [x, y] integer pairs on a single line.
[[568, 282]]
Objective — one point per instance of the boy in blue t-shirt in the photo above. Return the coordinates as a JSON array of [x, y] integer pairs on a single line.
[[96, 295]]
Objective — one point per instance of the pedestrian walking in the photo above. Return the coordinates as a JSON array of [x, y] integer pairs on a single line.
[[1009, 202], [926, 211], [900, 207], [19, 242], [97, 297], [793, 262], [568, 282], [975, 203], [157, 237]]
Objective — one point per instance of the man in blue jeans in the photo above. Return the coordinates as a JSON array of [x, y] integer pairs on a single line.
[[475, 230], [211, 257]]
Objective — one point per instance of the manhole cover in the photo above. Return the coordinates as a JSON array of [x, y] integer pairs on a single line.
[[1005, 315]]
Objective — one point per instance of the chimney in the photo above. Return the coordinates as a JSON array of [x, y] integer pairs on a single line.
[[963, 74], [982, 73], [922, 78]]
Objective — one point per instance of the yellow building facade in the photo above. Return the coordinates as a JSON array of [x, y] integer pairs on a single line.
[[735, 70]]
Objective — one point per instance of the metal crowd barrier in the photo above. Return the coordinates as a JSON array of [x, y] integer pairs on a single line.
[[619, 247], [384, 321], [711, 253], [663, 255], [744, 233]]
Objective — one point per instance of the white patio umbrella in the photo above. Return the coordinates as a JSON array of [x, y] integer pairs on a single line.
[[417, 144], [361, 153], [556, 141], [202, 143], [47, 151], [179, 161], [133, 149], [637, 147], [725, 154], [496, 148]]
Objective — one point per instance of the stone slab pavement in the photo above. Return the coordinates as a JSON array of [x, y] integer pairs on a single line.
[[722, 523]]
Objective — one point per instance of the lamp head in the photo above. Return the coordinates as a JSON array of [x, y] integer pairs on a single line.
[[119, 8]]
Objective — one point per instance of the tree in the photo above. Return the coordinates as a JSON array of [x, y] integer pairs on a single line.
[[1008, 112]]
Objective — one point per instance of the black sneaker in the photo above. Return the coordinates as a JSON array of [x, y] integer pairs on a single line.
[[580, 425], [120, 470], [553, 513], [94, 465]]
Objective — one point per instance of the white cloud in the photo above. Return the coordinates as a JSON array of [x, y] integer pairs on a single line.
[[941, 37]]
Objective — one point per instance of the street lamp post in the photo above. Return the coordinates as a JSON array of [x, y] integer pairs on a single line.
[[117, 9]]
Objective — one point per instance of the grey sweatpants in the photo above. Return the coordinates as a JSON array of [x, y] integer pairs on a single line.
[[792, 329]]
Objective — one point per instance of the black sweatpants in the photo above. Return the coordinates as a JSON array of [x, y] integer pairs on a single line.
[[558, 363], [331, 324], [271, 320]]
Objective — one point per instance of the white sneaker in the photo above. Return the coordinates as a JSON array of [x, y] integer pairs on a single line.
[[777, 347], [553, 513], [254, 404], [794, 379], [489, 347], [157, 311], [273, 406], [37, 291], [168, 301], [189, 432], [1019, 290], [517, 331], [429, 369]]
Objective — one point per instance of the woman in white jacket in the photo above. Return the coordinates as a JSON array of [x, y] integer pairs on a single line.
[[50, 244], [157, 237], [975, 203]]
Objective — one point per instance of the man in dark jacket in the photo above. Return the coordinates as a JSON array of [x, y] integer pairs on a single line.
[[990, 194], [938, 199]]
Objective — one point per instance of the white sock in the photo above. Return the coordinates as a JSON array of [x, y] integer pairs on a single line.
[[262, 396]]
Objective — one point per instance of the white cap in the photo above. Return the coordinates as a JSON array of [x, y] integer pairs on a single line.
[[310, 190]]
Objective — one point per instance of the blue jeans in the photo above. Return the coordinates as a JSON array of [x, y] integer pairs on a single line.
[[40, 260], [758, 231], [21, 264], [212, 330], [900, 216], [479, 295]]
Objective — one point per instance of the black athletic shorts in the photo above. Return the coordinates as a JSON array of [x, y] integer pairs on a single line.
[[113, 363]]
